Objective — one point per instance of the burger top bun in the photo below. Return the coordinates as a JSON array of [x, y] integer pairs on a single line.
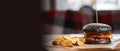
[[96, 27]]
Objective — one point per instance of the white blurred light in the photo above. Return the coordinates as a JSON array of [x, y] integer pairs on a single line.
[[105, 7], [75, 5], [119, 4], [61, 5]]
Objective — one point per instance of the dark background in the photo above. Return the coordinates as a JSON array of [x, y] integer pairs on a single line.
[[21, 25]]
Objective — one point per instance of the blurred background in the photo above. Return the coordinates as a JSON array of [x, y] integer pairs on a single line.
[[69, 16]]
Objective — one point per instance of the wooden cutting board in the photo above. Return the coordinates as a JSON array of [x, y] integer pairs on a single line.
[[53, 48], [116, 45]]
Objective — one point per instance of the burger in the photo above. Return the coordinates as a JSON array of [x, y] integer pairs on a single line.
[[97, 33]]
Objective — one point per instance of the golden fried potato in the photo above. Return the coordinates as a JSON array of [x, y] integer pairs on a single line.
[[74, 40], [82, 39], [66, 43], [58, 41], [79, 42], [66, 37]]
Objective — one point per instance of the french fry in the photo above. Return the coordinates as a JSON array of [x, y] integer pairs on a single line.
[[66, 37], [58, 41], [79, 42], [66, 43], [82, 39], [74, 40]]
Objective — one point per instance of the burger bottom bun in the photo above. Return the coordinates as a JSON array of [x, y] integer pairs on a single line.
[[105, 41]]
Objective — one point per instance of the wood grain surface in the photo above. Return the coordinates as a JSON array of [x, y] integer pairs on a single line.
[[54, 48]]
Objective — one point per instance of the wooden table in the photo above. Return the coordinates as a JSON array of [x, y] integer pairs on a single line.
[[52, 48], [117, 47]]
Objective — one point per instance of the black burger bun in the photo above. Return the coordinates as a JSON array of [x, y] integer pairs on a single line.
[[96, 27]]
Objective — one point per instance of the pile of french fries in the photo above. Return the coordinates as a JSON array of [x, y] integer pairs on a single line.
[[67, 41]]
